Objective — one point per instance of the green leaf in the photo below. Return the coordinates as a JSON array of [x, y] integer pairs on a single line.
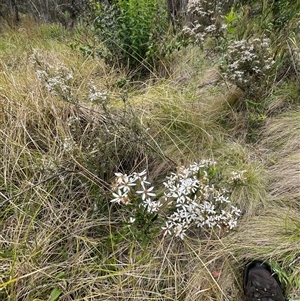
[[230, 17], [61, 275], [56, 292]]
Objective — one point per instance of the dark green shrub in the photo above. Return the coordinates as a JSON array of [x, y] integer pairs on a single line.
[[131, 31]]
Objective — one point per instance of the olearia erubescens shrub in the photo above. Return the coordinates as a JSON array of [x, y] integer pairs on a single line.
[[59, 81], [189, 198], [207, 20], [249, 64]]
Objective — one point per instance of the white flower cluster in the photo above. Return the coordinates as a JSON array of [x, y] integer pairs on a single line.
[[97, 96], [189, 194], [247, 62], [125, 193], [68, 144], [207, 15], [201, 8], [208, 7], [58, 81], [197, 201], [238, 177]]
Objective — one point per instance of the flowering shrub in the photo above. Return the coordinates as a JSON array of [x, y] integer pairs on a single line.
[[58, 80], [249, 64], [197, 201], [207, 19], [98, 96], [124, 196], [189, 198]]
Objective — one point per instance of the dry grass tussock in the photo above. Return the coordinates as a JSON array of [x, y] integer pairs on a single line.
[[281, 137], [273, 234], [59, 233]]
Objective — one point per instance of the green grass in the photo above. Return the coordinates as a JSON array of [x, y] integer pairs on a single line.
[[60, 237]]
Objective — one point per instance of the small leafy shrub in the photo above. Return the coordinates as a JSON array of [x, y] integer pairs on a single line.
[[249, 65], [191, 197], [130, 30], [104, 139]]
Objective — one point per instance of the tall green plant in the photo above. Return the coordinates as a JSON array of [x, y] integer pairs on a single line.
[[128, 29]]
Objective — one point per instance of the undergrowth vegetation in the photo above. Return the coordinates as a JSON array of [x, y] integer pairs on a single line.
[[130, 174]]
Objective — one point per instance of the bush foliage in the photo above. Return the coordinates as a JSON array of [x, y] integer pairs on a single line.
[[130, 31]]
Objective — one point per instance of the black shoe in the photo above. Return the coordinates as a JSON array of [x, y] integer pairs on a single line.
[[260, 283]]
